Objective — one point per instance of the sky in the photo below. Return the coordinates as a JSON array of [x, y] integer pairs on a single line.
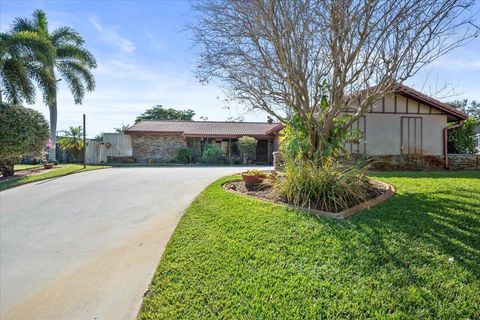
[[146, 57]]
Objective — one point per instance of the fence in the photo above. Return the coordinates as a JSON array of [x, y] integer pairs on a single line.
[[112, 145]]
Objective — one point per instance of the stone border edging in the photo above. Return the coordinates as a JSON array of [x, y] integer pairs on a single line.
[[389, 192]]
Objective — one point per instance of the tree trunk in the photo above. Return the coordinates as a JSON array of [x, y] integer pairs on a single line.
[[7, 169], [53, 130]]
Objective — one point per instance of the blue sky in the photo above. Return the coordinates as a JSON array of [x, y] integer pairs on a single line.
[[145, 58]]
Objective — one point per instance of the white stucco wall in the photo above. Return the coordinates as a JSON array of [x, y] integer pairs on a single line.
[[383, 134], [384, 127]]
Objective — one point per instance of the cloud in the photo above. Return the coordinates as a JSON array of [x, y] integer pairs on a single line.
[[110, 35]]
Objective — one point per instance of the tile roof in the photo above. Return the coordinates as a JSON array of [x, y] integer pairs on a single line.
[[204, 128]]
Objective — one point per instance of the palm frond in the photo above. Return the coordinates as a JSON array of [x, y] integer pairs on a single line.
[[40, 21], [65, 35], [78, 71], [16, 85], [45, 81], [78, 53], [73, 80], [22, 24]]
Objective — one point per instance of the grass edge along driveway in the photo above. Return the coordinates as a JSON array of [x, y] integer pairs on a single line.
[[58, 171], [232, 257]]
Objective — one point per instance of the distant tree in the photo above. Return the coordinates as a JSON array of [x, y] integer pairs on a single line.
[[123, 127], [72, 140], [23, 131], [472, 108], [159, 112]]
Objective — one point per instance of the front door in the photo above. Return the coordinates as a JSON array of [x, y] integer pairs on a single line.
[[411, 135], [262, 151]]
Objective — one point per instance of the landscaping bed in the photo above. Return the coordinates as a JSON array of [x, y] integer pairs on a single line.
[[415, 256], [377, 193]]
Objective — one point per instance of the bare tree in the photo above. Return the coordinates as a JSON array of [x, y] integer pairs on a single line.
[[277, 55]]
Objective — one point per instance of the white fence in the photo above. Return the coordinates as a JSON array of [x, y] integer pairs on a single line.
[[113, 144]]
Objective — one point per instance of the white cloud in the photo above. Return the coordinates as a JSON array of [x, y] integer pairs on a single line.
[[110, 35]]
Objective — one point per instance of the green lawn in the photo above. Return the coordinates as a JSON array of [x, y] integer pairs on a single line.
[[237, 258], [19, 167], [60, 170]]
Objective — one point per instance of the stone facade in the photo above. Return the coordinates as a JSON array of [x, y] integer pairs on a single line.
[[464, 161], [153, 149]]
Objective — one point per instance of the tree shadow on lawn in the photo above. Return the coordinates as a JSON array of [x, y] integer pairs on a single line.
[[444, 221]]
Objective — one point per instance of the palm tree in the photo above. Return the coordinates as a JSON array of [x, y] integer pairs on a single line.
[[24, 56], [72, 140], [72, 61]]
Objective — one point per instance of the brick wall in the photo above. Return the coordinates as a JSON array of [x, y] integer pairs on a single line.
[[150, 148]]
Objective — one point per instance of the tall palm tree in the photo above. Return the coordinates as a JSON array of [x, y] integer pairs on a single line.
[[72, 61], [24, 57], [72, 140]]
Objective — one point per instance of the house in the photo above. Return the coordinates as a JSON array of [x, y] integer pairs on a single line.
[[406, 126], [158, 141]]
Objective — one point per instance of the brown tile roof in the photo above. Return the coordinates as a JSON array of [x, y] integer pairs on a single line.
[[204, 128]]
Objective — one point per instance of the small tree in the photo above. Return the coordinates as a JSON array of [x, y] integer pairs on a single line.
[[23, 131], [72, 140], [247, 146]]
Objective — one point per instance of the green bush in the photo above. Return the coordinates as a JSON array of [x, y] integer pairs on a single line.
[[211, 153], [23, 131], [184, 155], [462, 139]]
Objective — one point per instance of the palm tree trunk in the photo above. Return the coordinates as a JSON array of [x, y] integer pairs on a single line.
[[53, 130]]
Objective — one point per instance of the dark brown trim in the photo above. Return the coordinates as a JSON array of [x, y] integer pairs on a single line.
[[418, 106], [383, 104], [407, 106], [395, 104]]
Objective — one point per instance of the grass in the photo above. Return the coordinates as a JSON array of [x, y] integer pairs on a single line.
[[19, 167], [237, 258], [60, 170]]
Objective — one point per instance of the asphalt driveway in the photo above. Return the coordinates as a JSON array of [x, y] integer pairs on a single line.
[[85, 246]]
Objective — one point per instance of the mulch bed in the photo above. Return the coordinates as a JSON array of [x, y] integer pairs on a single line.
[[376, 190]]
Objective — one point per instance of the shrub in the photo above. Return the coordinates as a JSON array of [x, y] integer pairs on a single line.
[[23, 131], [184, 155], [211, 153], [332, 187], [462, 139], [247, 145]]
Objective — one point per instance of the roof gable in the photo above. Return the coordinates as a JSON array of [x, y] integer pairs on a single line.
[[417, 95]]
